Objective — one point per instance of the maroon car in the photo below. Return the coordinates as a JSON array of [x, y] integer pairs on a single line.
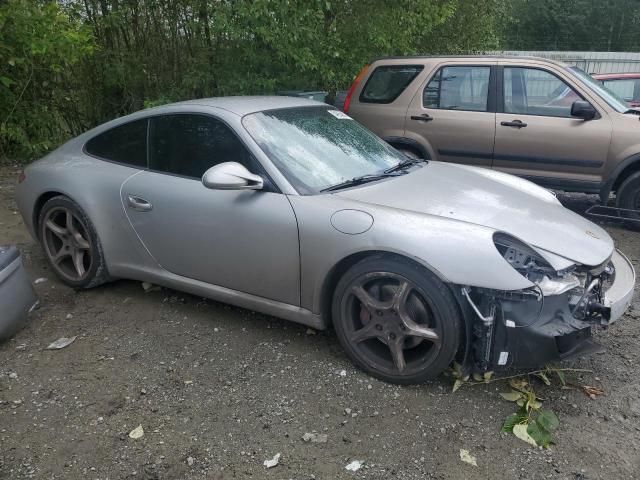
[[624, 85]]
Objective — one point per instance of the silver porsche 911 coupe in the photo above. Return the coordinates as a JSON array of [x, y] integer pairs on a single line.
[[289, 207]]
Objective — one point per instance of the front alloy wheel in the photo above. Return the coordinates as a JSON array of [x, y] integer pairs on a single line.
[[396, 320]]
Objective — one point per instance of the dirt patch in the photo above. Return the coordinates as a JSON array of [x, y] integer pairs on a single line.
[[218, 390]]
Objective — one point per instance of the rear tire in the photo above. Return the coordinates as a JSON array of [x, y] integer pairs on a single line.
[[71, 244], [396, 320], [628, 197]]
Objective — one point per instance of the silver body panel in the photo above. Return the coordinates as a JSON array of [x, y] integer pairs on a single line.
[[273, 252], [17, 296]]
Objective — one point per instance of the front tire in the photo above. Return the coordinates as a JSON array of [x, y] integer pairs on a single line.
[[396, 320], [628, 197], [71, 244]]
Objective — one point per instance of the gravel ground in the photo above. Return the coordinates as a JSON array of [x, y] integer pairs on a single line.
[[218, 390]]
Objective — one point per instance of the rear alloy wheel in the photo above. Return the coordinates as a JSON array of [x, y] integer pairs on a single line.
[[71, 244], [396, 320]]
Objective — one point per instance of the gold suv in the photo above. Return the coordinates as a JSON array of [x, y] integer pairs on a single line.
[[539, 119]]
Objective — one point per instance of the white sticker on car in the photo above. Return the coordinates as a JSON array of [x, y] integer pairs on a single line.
[[504, 356], [339, 114]]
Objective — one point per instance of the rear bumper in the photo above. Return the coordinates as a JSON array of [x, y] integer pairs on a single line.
[[17, 296]]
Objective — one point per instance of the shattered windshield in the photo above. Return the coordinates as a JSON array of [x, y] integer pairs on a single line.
[[319, 147]]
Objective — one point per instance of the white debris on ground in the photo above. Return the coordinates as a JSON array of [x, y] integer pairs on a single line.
[[466, 457], [150, 287], [315, 437], [39, 280], [270, 463], [354, 466], [136, 433], [61, 343]]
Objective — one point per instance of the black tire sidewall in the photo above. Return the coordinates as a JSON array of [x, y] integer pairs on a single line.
[[445, 306], [97, 273], [628, 191], [625, 197]]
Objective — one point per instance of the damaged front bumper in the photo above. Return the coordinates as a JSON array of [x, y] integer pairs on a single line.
[[526, 329]]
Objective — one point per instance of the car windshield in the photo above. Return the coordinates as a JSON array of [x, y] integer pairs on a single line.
[[319, 147], [607, 95]]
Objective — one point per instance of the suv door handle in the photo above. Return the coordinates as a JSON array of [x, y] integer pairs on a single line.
[[139, 203], [425, 117], [515, 123]]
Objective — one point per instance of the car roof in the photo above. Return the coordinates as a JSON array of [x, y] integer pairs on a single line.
[[244, 105], [611, 76], [470, 58]]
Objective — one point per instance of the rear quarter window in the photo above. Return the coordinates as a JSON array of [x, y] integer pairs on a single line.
[[386, 83], [123, 144]]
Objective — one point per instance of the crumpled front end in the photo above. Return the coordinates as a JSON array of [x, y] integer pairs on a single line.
[[553, 319]]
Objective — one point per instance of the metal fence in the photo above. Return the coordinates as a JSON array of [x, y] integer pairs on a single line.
[[590, 62]]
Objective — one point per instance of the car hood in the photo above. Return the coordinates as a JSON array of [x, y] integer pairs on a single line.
[[492, 199]]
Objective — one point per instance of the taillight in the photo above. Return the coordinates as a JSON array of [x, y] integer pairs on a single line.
[[21, 176], [356, 81]]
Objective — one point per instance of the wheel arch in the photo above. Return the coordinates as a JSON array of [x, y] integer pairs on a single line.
[[409, 144], [336, 272], [339, 268], [39, 204], [625, 168]]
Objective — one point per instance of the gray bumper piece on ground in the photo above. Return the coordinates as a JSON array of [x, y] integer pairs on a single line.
[[17, 296]]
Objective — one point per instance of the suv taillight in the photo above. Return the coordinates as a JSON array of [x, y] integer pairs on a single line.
[[356, 81]]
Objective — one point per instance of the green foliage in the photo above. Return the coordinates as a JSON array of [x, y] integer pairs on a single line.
[[530, 423], [70, 65], [39, 46], [573, 25]]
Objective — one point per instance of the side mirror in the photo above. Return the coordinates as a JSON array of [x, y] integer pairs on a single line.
[[231, 176], [583, 109]]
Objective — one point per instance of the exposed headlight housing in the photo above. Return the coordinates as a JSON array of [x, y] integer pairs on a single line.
[[531, 265]]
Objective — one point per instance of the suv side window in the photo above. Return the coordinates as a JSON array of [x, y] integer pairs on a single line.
[[387, 83], [626, 88], [123, 144], [458, 88], [190, 144], [531, 91]]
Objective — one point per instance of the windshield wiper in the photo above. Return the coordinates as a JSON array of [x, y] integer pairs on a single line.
[[371, 177], [405, 164], [635, 111]]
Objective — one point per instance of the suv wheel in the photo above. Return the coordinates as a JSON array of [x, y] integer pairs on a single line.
[[628, 196]]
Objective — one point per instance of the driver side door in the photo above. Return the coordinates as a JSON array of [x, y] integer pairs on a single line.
[[245, 240]]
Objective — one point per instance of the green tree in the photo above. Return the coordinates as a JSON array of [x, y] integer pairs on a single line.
[[589, 25], [39, 45]]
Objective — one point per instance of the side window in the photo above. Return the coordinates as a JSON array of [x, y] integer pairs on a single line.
[[190, 144], [387, 83], [125, 144], [627, 89], [530, 91], [458, 88]]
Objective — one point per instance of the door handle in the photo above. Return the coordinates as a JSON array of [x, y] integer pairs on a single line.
[[425, 117], [515, 123], [139, 203]]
